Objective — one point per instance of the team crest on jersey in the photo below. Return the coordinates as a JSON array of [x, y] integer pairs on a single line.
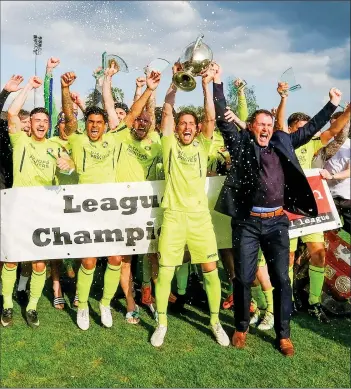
[[195, 143], [148, 148], [303, 151], [105, 144], [49, 151]]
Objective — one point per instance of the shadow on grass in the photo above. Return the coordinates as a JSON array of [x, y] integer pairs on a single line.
[[338, 330]]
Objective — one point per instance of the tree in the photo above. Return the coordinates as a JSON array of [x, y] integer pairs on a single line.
[[232, 97], [199, 111], [117, 94]]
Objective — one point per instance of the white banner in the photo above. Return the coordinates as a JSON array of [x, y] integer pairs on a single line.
[[77, 221]]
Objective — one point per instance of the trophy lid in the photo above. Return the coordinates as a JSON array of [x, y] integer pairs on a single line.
[[197, 52]]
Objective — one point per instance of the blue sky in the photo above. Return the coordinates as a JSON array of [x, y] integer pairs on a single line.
[[256, 41]]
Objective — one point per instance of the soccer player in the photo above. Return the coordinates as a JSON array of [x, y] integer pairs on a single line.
[[33, 165], [187, 219], [315, 241], [138, 153], [96, 154]]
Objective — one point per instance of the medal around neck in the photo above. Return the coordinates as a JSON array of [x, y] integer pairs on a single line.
[[196, 57]]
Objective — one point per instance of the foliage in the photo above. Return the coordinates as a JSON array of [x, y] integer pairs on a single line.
[[232, 97], [199, 111], [117, 94]]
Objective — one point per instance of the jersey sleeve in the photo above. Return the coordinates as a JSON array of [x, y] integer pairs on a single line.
[[205, 142], [18, 138]]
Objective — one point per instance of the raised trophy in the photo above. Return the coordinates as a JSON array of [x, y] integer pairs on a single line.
[[157, 65], [196, 57], [289, 77], [108, 60]]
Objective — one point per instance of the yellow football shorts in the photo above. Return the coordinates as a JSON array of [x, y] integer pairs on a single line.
[[193, 229], [317, 237]]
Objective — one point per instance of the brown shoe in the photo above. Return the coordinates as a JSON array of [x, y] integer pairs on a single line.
[[238, 339], [286, 347]]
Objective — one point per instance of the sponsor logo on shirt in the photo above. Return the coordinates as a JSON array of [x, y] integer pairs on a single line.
[[99, 156], [136, 152], [40, 163], [187, 159]]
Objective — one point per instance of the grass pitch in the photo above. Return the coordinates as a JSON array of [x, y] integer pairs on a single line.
[[58, 354]]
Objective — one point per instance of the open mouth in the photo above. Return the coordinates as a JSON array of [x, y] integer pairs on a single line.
[[187, 136], [41, 131], [263, 137], [94, 133]]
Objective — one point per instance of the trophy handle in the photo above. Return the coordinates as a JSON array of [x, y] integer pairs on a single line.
[[198, 40]]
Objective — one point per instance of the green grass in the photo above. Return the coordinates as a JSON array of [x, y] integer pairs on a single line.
[[58, 354]]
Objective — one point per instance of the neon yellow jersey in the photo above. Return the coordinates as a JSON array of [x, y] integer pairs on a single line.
[[64, 179], [136, 160], [306, 153], [94, 161], [185, 172], [32, 163]]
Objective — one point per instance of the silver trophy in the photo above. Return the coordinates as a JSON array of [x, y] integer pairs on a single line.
[[196, 57]]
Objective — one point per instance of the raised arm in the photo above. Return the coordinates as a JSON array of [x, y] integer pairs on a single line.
[[167, 120], [14, 121], [12, 85], [243, 112], [152, 82], [140, 82], [336, 126], [48, 92], [71, 123], [78, 101], [305, 133], [109, 103], [279, 123], [209, 109], [228, 129]]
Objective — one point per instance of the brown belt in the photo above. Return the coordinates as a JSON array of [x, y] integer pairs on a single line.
[[265, 215]]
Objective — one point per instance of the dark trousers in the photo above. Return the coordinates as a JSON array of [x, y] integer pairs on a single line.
[[272, 235]]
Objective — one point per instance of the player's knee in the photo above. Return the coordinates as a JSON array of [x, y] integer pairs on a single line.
[[318, 258], [116, 260], [89, 263], [39, 267]]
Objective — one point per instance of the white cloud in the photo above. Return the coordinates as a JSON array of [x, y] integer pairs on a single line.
[[76, 34]]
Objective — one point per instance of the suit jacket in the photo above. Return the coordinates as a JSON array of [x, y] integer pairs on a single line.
[[236, 196]]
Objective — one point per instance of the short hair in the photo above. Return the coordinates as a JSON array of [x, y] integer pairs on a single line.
[[253, 116], [95, 111], [122, 106], [187, 112], [336, 115], [298, 117], [23, 114], [39, 110]]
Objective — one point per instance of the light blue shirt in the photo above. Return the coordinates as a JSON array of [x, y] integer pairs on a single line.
[[263, 209]]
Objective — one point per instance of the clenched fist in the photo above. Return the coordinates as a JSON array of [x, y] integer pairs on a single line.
[[68, 79]]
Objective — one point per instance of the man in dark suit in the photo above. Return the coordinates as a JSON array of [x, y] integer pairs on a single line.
[[264, 179]]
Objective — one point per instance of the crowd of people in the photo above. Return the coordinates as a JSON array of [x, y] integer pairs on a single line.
[[262, 155]]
